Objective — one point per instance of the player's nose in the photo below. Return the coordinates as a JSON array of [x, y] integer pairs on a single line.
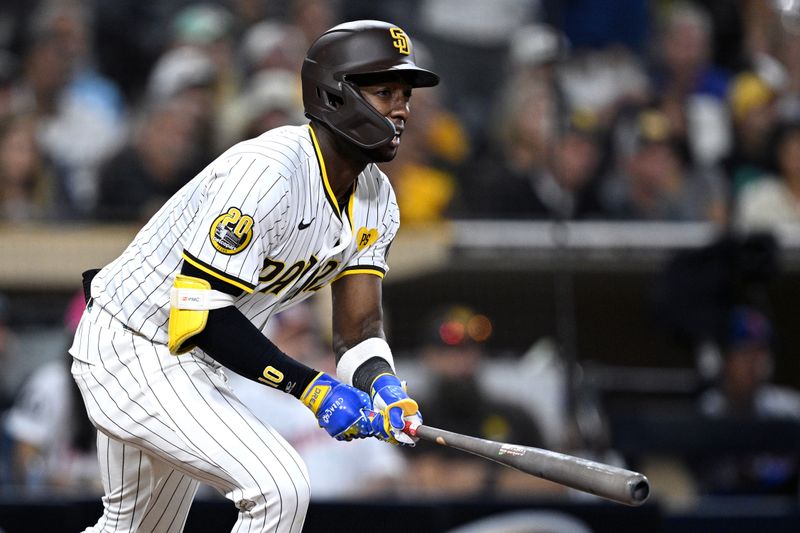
[[401, 107]]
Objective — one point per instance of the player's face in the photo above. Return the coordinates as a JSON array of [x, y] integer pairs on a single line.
[[392, 99]]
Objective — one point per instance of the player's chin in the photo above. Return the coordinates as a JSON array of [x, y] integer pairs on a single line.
[[382, 154]]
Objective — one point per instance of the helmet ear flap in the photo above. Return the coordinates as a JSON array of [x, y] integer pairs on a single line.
[[359, 122]]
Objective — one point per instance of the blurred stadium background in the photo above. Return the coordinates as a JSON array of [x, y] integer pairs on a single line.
[[603, 194]]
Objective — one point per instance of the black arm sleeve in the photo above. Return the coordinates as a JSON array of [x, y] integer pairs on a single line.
[[232, 340]]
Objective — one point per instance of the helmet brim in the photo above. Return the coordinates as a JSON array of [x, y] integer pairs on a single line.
[[417, 77]]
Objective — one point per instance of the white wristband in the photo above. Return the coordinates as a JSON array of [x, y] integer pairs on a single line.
[[361, 353]]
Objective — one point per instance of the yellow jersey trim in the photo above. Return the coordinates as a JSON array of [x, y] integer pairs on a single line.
[[328, 191], [363, 270], [231, 281], [350, 204]]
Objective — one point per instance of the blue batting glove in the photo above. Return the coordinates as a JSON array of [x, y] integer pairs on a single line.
[[341, 410], [393, 409]]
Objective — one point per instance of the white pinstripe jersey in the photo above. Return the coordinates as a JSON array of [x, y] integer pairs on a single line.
[[262, 217]]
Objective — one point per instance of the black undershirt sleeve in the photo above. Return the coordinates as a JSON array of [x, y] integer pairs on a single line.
[[233, 341]]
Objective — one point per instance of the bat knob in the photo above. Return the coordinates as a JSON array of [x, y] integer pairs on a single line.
[[409, 429]]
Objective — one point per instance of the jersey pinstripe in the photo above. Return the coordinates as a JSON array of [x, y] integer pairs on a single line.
[[262, 217]]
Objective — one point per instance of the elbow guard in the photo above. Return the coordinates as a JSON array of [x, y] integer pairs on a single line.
[[190, 300]]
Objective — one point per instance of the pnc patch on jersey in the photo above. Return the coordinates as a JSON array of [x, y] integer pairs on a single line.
[[231, 232], [366, 237], [400, 41]]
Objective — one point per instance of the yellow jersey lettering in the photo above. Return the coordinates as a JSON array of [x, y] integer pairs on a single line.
[[286, 279], [320, 280], [270, 270]]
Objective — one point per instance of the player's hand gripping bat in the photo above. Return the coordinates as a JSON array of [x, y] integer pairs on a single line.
[[606, 481]]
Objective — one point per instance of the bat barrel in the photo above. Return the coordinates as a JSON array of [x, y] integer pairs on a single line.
[[640, 490], [610, 482]]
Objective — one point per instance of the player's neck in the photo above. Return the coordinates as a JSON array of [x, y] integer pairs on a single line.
[[343, 161]]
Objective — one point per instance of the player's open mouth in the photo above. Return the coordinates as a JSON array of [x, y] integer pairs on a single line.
[[396, 141]]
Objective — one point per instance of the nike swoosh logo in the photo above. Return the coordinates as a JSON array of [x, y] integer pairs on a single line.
[[304, 225]]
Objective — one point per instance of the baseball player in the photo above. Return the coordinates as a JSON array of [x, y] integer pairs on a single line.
[[264, 226]]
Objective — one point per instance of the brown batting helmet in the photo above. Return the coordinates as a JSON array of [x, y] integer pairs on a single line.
[[343, 54]]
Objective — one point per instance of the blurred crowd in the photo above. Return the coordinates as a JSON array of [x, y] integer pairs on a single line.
[[623, 110], [594, 110]]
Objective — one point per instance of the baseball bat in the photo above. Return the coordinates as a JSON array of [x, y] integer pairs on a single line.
[[610, 482]]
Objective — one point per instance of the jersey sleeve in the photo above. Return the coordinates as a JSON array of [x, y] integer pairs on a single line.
[[239, 221], [374, 236]]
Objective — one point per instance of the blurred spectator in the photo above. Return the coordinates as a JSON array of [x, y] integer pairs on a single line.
[[8, 74], [590, 24], [774, 199], [466, 38], [753, 111], [79, 113], [53, 442], [272, 45], [314, 17], [776, 38], [209, 28], [690, 88], [248, 13], [181, 70], [270, 99], [657, 181], [452, 353], [536, 171], [533, 55], [158, 160], [744, 392], [603, 82], [523, 132], [187, 74], [370, 466], [744, 388], [70, 21], [27, 183]]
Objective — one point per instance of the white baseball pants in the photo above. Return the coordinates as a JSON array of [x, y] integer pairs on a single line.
[[167, 423]]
